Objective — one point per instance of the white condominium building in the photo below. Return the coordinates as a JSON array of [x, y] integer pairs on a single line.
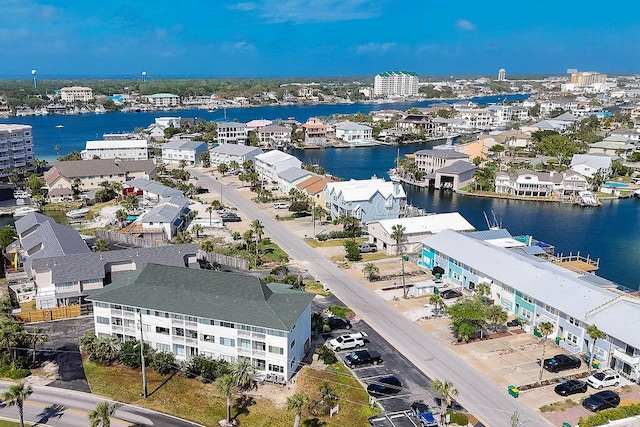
[[16, 148], [126, 149], [396, 83], [76, 93]]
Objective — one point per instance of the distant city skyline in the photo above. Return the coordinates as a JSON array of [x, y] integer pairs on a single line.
[[287, 38]]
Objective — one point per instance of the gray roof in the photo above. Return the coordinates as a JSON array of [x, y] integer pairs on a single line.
[[443, 154], [91, 167], [209, 294], [542, 280], [231, 124], [458, 167], [93, 265], [236, 149], [167, 211], [500, 233], [184, 145], [293, 174], [154, 187], [147, 166], [53, 239], [620, 319]]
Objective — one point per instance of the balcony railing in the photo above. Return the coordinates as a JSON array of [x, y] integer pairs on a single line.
[[620, 354], [242, 333], [244, 351], [259, 336]]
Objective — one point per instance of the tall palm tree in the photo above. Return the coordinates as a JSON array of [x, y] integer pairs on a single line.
[[370, 270], [397, 234], [197, 229], [225, 385], [446, 391], [258, 229], [210, 210], [241, 371], [12, 335], [296, 403], [595, 334], [15, 396], [546, 328], [101, 415], [121, 216], [37, 337]]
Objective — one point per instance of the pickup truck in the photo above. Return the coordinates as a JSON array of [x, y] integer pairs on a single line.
[[561, 362], [362, 357], [368, 247], [348, 341], [422, 412]]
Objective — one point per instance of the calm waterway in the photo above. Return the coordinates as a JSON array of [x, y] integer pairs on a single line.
[[610, 232]]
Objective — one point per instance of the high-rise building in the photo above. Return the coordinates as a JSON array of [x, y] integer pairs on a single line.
[[396, 83], [16, 148], [502, 75], [587, 78]]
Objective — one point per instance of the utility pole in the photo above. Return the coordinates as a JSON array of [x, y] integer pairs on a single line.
[[144, 369], [404, 284], [220, 191]]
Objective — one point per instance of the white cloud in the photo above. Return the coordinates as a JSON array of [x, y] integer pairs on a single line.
[[314, 11], [245, 7], [463, 24], [370, 48]]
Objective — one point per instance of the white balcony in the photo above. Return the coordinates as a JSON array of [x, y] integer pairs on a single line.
[[621, 355]]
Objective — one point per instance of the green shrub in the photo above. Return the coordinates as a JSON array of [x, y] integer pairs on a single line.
[[602, 418], [163, 362], [339, 311], [16, 374], [458, 418], [326, 355]]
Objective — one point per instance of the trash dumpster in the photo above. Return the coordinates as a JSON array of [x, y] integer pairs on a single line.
[[514, 391]]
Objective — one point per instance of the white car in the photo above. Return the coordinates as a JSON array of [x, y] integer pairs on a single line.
[[348, 341], [604, 378]]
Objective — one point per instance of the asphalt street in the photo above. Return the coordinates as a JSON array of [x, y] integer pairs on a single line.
[[493, 406], [57, 407]]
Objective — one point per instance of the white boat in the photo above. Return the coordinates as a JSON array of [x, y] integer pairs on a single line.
[[587, 198], [24, 210], [77, 213], [21, 194], [59, 126]]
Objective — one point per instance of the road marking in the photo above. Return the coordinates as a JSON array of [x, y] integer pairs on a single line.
[[373, 377]]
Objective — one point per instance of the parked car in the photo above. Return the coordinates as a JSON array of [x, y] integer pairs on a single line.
[[450, 293], [362, 357], [368, 247], [230, 217], [570, 387], [385, 386], [338, 323], [561, 362], [422, 412], [601, 400], [348, 341], [604, 378], [513, 323]]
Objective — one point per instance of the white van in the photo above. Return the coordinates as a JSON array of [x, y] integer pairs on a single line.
[[281, 205]]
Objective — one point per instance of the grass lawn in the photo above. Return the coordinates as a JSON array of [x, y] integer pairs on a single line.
[[273, 253], [5, 423], [375, 256], [315, 288], [333, 242]]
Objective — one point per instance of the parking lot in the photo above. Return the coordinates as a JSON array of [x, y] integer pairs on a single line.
[[415, 385]]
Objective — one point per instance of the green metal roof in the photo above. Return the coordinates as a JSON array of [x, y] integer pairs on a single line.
[[209, 294]]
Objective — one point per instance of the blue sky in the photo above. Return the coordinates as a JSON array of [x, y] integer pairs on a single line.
[[216, 38]]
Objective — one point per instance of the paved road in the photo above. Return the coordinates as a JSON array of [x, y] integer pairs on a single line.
[[493, 406], [57, 407]]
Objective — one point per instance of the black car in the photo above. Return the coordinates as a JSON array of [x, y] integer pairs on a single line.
[[385, 386], [562, 362], [338, 323], [571, 387], [362, 357], [230, 217], [601, 400], [450, 293]]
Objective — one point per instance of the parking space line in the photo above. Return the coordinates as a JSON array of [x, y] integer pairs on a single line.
[[396, 396], [373, 377]]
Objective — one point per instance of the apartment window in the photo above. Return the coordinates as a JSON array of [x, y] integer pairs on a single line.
[[101, 305], [276, 350], [293, 344], [177, 316], [574, 322], [572, 338], [179, 332], [259, 364], [206, 321], [525, 313], [550, 309], [528, 299], [64, 286], [163, 347], [207, 338], [277, 333], [161, 330], [129, 323], [259, 345], [178, 349], [116, 321], [102, 320], [245, 327], [227, 325], [192, 334], [228, 342], [244, 343]]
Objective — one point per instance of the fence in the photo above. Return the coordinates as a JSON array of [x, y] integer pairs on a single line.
[[127, 239], [229, 261], [55, 313]]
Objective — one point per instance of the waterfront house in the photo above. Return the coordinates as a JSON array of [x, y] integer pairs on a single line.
[[453, 177], [415, 230], [539, 291], [591, 164], [313, 186], [175, 151], [125, 149], [254, 125], [431, 160], [315, 133], [16, 148], [232, 133], [354, 133], [163, 100], [227, 153], [152, 191], [290, 178], [417, 124], [216, 314], [270, 164], [274, 136], [366, 199], [613, 147], [163, 221], [63, 280], [527, 183]]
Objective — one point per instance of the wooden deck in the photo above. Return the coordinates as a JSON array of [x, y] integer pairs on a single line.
[[577, 265]]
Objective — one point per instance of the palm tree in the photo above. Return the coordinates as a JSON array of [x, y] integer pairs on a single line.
[[12, 335], [397, 234], [36, 337], [233, 165], [121, 216], [225, 385], [446, 391], [595, 334], [197, 229], [258, 229], [496, 315], [182, 164], [370, 270], [15, 396], [210, 210], [207, 246], [101, 416], [242, 371], [546, 328], [296, 403], [482, 290], [437, 301]]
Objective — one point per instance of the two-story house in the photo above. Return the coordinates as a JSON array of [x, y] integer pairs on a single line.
[[268, 165], [227, 153], [176, 151], [232, 133], [366, 199]]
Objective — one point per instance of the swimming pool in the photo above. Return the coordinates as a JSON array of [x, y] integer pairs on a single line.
[[616, 184]]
